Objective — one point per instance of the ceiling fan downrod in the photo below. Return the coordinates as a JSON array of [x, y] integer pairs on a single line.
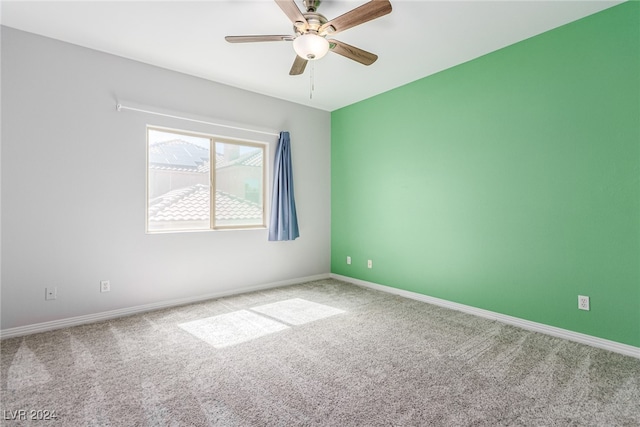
[[311, 5]]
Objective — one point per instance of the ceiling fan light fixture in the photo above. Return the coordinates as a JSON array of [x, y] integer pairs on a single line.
[[310, 46]]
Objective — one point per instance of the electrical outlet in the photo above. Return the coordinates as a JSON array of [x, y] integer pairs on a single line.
[[348, 260], [50, 293], [369, 264], [105, 286], [583, 302]]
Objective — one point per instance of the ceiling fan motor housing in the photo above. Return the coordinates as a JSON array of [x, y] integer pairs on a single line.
[[314, 22]]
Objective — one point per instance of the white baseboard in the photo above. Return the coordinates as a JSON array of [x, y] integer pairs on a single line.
[[112, 314], [616, 347]]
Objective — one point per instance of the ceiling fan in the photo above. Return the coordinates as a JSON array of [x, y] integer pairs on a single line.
[[312, 29]]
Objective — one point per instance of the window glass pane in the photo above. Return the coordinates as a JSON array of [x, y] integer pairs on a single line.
[[239, 185], [179, 182]]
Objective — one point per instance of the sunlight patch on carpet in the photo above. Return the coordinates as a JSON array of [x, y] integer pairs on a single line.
[[26, 370], [297, 311], [232, 328]]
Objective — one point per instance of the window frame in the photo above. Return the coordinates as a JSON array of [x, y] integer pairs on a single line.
[[213, 139]]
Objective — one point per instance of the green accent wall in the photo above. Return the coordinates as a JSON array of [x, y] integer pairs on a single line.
[[509, 183]]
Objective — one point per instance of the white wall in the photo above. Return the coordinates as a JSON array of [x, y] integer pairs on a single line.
[[73, 186]]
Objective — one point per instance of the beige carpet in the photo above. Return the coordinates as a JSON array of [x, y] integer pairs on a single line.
[[324, 353]]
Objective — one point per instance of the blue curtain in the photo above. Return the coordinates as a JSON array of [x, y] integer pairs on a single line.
[[284, 221]]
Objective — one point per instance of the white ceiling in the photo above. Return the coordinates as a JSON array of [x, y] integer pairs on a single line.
[[417, 39]]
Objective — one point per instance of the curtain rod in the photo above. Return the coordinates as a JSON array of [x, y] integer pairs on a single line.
[[120, 107]]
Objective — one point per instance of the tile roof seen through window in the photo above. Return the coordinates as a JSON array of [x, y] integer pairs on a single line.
[[178, 155], [185, 156], [192, 204]]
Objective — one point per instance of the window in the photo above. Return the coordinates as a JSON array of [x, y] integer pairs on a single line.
[[184, 191]]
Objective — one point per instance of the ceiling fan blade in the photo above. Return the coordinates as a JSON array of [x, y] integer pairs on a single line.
[[298, 66], [250, 39], [352, 52], [291, 10], [361, 14]]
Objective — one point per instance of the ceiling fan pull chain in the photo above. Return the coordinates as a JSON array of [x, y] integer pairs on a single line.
[[311, 85]]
